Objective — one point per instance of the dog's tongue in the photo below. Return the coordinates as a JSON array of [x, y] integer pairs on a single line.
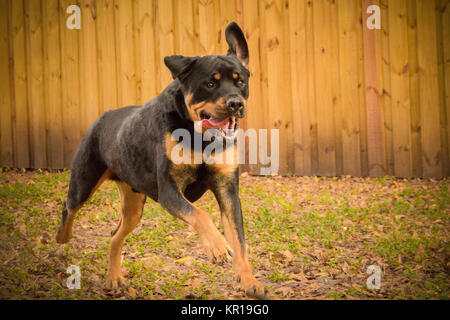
[[216, 124]]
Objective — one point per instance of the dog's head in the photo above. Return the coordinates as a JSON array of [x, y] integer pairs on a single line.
[[215, 87]]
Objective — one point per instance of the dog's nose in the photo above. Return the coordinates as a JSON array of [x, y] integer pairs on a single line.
[[235, 104]]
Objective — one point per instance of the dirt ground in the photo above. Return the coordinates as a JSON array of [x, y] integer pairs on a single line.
[[307, 238]]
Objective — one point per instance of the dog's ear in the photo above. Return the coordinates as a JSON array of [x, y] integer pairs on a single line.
[[180, 66], [237, 43]]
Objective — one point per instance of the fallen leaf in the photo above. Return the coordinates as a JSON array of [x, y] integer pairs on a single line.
[[184, 259], [132, 292], [195, 283], [284, 291], [287, 255], [84, 218], [420, 250]]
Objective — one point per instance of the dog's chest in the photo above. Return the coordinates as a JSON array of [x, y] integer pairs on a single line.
[[184, 174]]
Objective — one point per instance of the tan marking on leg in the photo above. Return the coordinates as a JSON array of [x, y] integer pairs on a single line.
[[64, 233], [132, 204]]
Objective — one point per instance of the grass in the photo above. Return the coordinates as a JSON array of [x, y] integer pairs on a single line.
[[307, 237]]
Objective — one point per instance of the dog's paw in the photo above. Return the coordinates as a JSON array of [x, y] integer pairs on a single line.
[[252, 288], [218, 250], [114, 282], [63, 236]]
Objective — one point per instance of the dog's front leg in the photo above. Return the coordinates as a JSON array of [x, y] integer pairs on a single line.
[[226, 191], [176, 204]]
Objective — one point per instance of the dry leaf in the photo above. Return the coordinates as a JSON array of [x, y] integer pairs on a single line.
[[132, 292], [284, 291], [287, 255], [195, 283], [184, 259], [420, 250]]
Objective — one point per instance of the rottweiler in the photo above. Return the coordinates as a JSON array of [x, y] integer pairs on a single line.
[[133, 147]]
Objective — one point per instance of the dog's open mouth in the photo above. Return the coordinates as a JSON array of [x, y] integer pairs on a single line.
[[227, 126]]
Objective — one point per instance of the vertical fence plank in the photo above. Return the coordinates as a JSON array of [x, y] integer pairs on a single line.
[[348, 62], [22, 141], [429, 92], [337, 108], [206, 23], [264, 77], [413, 68], [364, 153], [311, 79], [106, 56], [445, 10], [196, 20], [164, 22], [184, 26], [386, 97], [324, 53], [299, 80], [126, 73], [278, 73], [401, 119], [52, 84], [6, 140], [146, 64], [252, 31], [35, 82], [70, 86], [88, 66], [227, 9], [287, 109], [373, 91], [443, 112]]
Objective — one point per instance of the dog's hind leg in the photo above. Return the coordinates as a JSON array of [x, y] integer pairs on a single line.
[[132, 204], [83, 183]]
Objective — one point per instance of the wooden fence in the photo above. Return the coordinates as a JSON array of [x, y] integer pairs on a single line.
[[346, 99]]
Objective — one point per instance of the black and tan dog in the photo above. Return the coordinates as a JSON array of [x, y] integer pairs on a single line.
[[132, 146]]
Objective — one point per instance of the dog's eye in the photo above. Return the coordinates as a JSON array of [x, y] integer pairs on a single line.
[[240, 83], [210, 84]]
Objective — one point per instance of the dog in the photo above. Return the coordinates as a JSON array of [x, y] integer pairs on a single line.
[[133, 146]]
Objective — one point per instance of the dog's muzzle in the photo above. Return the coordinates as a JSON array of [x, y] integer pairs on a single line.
[[236, 106]]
